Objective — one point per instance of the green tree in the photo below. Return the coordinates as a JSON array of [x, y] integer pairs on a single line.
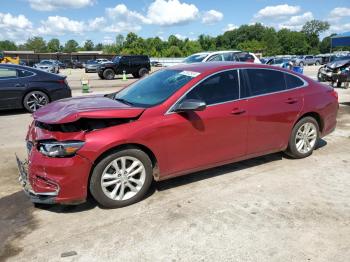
[[270, 42], [54, 45], [36, 44], [312, 29], [7, 45], [71, 46], [252, 46], [88, 45], [119, 40], [99, 47], [207, 42], [173, 51]]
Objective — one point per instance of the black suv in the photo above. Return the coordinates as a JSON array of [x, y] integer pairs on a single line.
[[137, 65]]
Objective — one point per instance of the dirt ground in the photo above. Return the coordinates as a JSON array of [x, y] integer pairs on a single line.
[[270, 208]]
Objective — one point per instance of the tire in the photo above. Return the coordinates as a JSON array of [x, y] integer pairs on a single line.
[[142, 72], [108, 74], [297, 147], [100, 75], [135, 75], [317, 63], [86, 71], [111, 196], [301, 64], [339, 84], [35, 100]]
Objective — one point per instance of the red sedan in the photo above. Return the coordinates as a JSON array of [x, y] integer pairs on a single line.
[[176, 121]]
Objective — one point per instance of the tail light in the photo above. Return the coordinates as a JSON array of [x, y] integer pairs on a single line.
[[61, 81]]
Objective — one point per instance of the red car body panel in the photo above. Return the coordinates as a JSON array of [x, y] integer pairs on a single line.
[[180, 142]]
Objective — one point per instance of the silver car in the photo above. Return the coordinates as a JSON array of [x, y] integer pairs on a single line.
[[50, 66], [307, 60]]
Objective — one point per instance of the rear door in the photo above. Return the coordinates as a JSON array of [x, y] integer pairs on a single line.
[[10, 88], [272, 108]]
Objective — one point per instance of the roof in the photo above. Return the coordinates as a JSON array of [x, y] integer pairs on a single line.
[[346, 34], [214, 66], [216, 52]]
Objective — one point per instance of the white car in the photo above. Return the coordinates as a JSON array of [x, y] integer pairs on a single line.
[[238, 56], [102, 60]]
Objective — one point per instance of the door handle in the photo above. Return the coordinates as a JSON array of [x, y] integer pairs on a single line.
[[291, 101], [237, 111]]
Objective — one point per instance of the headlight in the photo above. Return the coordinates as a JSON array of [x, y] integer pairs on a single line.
[[59, 149]]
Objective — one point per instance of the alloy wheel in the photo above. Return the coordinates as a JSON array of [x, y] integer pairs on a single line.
[[36, 100], [306, 137], [123, 178]]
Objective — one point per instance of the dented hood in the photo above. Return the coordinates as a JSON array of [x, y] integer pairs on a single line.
[[72, 109]]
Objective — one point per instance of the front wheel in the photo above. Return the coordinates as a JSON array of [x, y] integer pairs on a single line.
[[304, 138], [121, 178], [143, 72]]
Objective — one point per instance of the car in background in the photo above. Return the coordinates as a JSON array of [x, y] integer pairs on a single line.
[[137, 65], [307, 60], [279, 62], [50, 66], [336, 72], [237, 56], [73, 64], [91, 66], [61, 64], [30, 88], [176, 121], [103, 60]]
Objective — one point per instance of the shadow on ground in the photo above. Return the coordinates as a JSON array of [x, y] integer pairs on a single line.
[[9, 112]]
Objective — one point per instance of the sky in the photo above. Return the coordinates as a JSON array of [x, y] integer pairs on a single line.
[[102, 20]]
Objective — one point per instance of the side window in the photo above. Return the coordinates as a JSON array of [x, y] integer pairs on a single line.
[[8, 73], [24, 73], [228, 57], [293, 81], [215, 58], [264, 81], [221, 87]]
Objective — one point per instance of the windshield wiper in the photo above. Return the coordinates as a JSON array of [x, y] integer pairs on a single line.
[[124, 101]]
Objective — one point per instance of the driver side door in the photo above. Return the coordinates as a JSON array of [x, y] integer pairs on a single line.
[[201, 139]]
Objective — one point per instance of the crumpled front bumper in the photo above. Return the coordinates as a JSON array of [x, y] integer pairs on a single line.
[[46, 190]]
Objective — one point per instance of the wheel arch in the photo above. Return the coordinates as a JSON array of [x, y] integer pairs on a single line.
[[141, 147], [314, 115]]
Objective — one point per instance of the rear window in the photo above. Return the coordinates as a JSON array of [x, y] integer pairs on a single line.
[[293, 81], [24, 73], [8, 73]]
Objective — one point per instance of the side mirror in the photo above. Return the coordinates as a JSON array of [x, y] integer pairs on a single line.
[[191, 105]]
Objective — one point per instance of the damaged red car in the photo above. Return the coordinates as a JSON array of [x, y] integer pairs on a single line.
[[176, 121]]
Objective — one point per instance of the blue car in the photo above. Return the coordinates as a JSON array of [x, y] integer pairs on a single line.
[[30, 88]]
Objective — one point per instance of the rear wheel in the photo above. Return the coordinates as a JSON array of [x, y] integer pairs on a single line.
[[100, 75], [303, 139], [108, 74], [135, 75], [121, 178], [35, 100]]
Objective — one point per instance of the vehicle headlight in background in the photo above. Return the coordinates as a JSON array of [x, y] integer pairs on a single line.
[[59, 149]]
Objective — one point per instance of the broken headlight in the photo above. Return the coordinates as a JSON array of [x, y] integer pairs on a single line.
[[59, 149]]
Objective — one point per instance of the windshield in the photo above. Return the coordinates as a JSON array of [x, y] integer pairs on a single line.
[[195, 58], [116, 59], [339, 58], [156, 88], [46, 62]]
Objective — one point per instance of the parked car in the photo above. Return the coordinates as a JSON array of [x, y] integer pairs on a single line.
[[137, 65], [29, 88], [61, 65], [176, 121], [73, 64], [238, 56], [91, 66], [280, 62], [336, 72], [50, 66], [103, 60], [307, 60]]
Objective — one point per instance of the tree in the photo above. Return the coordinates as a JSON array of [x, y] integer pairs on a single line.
[[119, 40], [315, 27], [88, 45], [99, 47], [207, 42], [270, 42], [71, 46], [7, 46], [54, 45], [251, 46], [36, 44]]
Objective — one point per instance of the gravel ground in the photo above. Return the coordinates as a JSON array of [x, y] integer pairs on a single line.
[[270, 208]]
